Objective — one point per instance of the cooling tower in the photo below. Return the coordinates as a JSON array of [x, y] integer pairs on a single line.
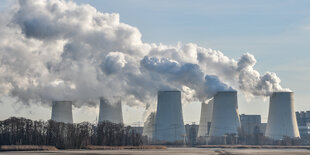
[[110, 112], [281, 118], [149, 126], [62, 111], [169, 125], [205, 119], [225, 116]]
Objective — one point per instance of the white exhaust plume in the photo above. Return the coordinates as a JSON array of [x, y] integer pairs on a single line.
[[58, 50], [110, 112], [169, 125], [205, 119], [282, 118], [225, 116], [149, 126], [62, 111]]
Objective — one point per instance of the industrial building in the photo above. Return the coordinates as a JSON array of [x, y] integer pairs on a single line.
[[219, 119], [304, 131], [62, 111], [169, 124], [282, 118], [262, 128], [110, 112], [191, 133], [303, 117], [250, 123], [225, 116], [303, 122]]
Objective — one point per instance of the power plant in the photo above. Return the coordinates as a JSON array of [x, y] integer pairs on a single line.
[[225, 116], [219, 118], [62, 111], [281, 118], [169, 125], [110, 112], [205, 119]]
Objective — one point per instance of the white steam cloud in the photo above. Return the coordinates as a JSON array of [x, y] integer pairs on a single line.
[[58, 50]]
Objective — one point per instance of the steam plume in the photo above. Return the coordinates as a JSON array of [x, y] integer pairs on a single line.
[[58, 50]]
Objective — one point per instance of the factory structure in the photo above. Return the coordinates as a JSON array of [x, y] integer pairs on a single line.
[[220, 121], [191, 133], [303, 122], [252, 124], [225, 115], [62, 111], [281, 118], [169, 124]]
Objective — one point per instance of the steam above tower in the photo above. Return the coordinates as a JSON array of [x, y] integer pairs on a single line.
[[169, 125], [225, 116], [281, 118], [110, 112], [149, 126], [62, 111]]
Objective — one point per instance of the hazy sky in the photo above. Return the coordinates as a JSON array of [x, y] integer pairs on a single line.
[[277, 33]]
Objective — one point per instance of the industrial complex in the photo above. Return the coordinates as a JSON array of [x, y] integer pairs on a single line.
[[220, 121]]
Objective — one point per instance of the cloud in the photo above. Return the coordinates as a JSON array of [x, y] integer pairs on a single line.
[[113, 62], [58, 50]]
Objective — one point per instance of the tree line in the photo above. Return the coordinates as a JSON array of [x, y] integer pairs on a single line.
[[22, 131]]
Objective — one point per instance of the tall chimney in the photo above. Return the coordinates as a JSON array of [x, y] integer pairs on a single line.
[[62, 111], [281, 118]]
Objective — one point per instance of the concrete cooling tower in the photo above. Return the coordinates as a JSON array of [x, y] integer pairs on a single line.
[[169, 125], [205, 119], [225, 116], [110, 112], [62, 111], [149, 126], [281, 118]]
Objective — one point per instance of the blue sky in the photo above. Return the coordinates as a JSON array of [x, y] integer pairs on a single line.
[[277, 33]]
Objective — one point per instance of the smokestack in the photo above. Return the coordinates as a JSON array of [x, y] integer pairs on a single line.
[[149, 126], [110, 112], [281, 118], [225, 116], [62, 111], [169, 125], [205, 119]]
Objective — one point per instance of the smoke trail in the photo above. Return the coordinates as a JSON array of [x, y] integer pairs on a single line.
[[58, 50]]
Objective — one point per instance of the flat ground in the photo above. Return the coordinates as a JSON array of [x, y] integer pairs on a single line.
[[173, 151]]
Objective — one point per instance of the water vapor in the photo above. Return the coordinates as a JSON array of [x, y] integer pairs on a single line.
[[59, 50]]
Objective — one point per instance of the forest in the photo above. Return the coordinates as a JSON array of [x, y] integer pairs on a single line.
[[22, 131]]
